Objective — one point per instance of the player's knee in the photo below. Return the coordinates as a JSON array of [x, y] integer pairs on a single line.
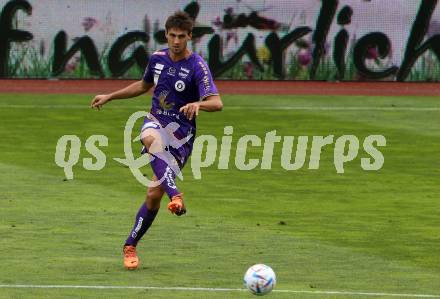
[[153, 204], [154, 193], [148, 141], [152, 140], [154, 196]]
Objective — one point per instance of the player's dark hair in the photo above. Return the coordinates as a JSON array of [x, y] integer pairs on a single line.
[[180, 20]]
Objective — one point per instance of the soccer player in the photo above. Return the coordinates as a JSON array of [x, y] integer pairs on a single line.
[[183, 86]]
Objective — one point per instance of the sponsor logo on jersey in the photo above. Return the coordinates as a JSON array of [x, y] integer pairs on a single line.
[[172, 71], [185, 70], [183, 75], [206, 82], [167, 113], [162, 100], [179, 86], [159, 66]]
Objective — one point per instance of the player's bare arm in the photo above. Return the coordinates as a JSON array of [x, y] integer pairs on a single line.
[[131, 91], [210, 104]]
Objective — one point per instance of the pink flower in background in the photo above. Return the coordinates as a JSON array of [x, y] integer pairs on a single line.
[[70, 67], [304, 54], [304, 57], [249, 70], [73, 63], [231, 35], [217, 22], [372, 53], [88, 23]]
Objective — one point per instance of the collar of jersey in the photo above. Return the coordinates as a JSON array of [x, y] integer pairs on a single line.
[[178, 61]]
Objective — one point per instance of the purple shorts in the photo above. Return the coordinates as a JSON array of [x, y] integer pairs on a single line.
[[179, 147]]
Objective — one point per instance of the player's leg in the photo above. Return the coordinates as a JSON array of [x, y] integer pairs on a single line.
[[154, 196], [144, 218], [146, 214], [162, 164]]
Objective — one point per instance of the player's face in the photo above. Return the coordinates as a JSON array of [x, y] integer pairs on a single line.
[[178, 40]]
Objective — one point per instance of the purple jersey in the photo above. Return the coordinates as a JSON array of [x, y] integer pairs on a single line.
[[177, 84]]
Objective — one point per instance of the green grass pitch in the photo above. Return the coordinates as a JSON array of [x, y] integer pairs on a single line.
[[361, 231]]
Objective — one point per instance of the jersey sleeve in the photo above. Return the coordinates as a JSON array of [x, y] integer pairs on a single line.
[[149, 71], [205, 83]]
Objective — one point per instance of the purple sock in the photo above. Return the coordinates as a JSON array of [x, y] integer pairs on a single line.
[[162, 170], [144, 219]]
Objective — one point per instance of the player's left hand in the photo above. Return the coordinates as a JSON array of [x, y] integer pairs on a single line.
[[190, 110]]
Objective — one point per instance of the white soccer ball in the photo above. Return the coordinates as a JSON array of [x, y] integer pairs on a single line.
[[260, 279]]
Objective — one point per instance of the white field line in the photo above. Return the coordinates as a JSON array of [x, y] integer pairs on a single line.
[[311, 108], [103, 287]]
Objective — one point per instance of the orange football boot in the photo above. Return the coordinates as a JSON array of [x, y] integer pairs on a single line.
[[131, 260], [176, 205]]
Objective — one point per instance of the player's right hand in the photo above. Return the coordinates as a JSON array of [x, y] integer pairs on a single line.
[[99, 101]]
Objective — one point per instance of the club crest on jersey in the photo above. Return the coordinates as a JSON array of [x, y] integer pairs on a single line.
[[171, 71], [179, 86]]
